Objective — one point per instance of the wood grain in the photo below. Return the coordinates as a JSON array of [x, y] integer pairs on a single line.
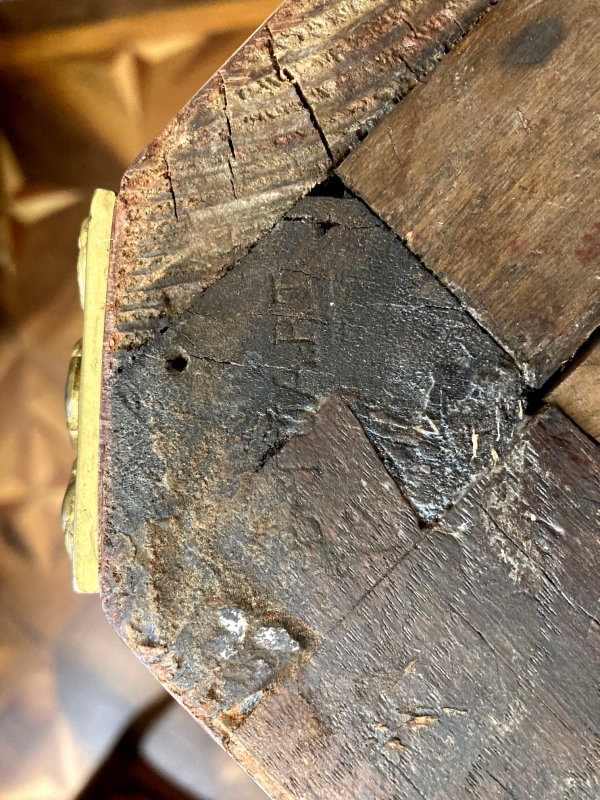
[[330, 301], [292, 402], [340, 651], [471, 669], [490, 173], [578, 391], [122, 80], [294, 100], [230, 604]]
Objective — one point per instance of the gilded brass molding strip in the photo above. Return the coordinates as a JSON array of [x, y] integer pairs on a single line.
[[80, 512]]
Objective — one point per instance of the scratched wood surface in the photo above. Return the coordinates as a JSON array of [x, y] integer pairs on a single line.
[[490, 174], [330, 303], [293, 101], [471, 668], [341, 651]]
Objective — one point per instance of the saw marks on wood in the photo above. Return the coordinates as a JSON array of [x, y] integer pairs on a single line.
[[471, 669], [303, 91], [489, 172]]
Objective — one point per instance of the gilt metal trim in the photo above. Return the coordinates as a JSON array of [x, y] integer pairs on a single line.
[[82, 396]]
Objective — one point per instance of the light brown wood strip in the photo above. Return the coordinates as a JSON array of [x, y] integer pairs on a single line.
[[578, 392], [490, 173], [304, 90]]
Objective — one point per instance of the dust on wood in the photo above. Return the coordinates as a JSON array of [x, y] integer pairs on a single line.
[[215, 545], [490, 174], [223, 602]]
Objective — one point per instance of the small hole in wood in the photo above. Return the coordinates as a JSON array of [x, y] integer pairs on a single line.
[[178, 363]]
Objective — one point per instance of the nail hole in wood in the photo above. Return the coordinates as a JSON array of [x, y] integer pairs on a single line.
[[178, 363]]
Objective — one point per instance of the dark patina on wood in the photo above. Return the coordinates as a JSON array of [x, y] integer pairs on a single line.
[[329, 304], [327, 527], [471, 669], [313, 622]]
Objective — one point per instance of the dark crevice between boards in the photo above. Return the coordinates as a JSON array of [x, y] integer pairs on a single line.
[[537, 399]]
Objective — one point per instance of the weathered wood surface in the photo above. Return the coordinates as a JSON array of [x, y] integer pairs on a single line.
[[278, 451], [471, 669], [578, 391], [490, 173], [340, 651], [228, 605], [329, 301], [294, 100]]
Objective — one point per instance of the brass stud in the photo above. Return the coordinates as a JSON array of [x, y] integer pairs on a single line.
[[68, 511], [72, 393]]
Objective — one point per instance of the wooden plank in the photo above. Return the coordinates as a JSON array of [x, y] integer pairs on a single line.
[[471, 669], [294, 100], [578, 391], [489, 172], [238, 599], [339, 651]]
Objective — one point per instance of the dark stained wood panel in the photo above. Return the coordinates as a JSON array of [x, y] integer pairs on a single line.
[[330, 301], [490, 174], [223, 607], [327, 526], [269, 126], [471, 669]]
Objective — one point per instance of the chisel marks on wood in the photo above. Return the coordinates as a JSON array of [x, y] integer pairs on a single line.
[[247, 440]]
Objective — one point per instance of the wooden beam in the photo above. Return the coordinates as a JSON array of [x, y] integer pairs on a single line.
[[578, 391], [454, 676], [489, 174]]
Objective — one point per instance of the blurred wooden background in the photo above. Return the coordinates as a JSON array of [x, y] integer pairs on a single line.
[[84, 86]]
